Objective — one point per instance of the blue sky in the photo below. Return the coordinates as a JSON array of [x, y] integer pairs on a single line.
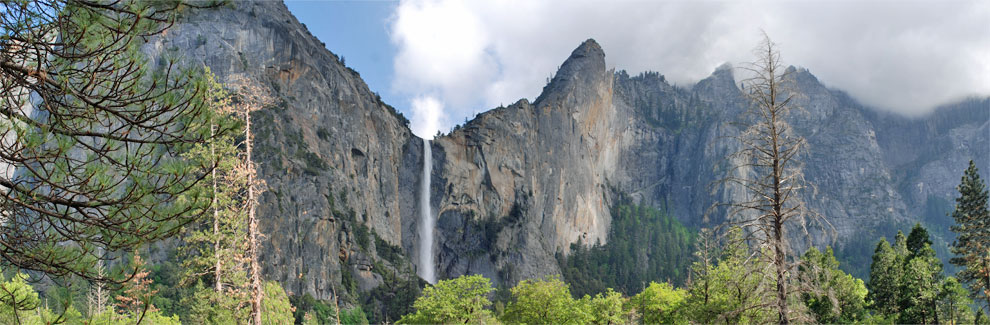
[[441, 62], [358, 31]]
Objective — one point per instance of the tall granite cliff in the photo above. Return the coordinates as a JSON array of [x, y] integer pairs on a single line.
[[551, 161], [519, 184], [337, 162]]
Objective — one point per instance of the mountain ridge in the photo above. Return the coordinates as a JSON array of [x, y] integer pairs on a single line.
[[518, 184]]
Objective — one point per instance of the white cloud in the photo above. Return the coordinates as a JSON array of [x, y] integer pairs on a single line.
[[902, 56], [427, 116]]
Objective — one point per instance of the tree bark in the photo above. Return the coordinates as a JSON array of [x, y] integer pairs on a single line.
[[217, 286], [780, 257], [252, 226], [986, 279]]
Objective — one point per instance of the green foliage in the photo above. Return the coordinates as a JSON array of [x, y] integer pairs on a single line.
[[167, 276], [918, 238], [151, 317], [395, 297], [954, 303], [362, 235], [460, 300], [391, 253], [644, 245], [354, 315], [309, 310], [544, 301], [606, 308], [207, 306], [661, 303], [921, 287], [833, 296], [99, 164], [275, 307], [728, 283], [17, 299], [908, 286], [313, 164], [981, 318], [321, 312], [972, 245], [885, 279]]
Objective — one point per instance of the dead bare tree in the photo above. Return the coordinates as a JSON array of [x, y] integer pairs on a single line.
[[99, 295], [768, 168], [252, 98]]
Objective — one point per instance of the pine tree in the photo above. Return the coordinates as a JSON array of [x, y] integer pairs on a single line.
[[229, 244], [831, 295], [972, 244], [900, 246], [137, 292], [917, 239], [217, 248], [885, 279], [954, 303], [93, 130], [921, 288]]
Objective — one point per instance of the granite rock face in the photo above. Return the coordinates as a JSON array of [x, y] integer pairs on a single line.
[[519, 184], [551, 161], [335, 159]]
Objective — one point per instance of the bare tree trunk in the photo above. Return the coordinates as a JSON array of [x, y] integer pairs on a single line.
[[252, 226], [780, 256], [780, 260], [771, 172], [336, 305], [217, 286], [98, 292]]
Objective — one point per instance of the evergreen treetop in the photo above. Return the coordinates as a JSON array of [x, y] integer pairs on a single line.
[[972, 228]]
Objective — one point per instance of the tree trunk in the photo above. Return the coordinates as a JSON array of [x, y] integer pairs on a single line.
[[217, 286], [935, 312], [252, 226], [986, 280], [780, 258]]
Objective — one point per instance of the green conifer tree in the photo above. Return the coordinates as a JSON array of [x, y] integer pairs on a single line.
[[954, 303], [921, 288], [972, 228], [917, 239], [93, 133], [832, 296], [885, 279]]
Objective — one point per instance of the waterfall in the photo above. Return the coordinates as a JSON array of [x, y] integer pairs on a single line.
[[426, 222]]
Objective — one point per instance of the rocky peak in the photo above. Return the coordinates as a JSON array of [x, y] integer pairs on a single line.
[[583, 69], [721, 88], [588, 51], [804, 80]]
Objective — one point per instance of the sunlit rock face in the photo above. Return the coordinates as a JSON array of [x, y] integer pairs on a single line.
[[333, 156], [552, 160], [518, 184]]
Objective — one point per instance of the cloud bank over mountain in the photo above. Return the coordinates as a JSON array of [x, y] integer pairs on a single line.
[[457, 58]]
